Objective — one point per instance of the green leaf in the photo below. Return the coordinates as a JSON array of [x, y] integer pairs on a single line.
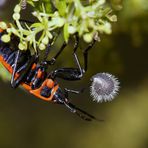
[[31, 3], [61, 6], [36, 25]]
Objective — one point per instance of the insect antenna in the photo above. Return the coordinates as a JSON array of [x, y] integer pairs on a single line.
[[81, 113], [84, 115]]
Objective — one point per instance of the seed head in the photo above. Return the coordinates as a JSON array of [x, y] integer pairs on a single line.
[[104, 87]]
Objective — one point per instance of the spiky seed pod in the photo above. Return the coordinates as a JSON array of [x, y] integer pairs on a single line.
[[104, 87]]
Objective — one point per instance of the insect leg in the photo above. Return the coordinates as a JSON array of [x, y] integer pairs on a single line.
[[52, 61], [24, 68], [15, 69], [47, 51], [67, 91], [76, 57], [85, 54], [71, 74]]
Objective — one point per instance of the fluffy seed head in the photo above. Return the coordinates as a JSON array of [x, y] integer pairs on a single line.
[[104, 87]]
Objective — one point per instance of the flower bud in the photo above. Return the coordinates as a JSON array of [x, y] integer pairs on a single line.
[[45, 40], [22, 46], [42, 46], [16, 16], [5, 38], [88, 37], [3, 25], [17, 9], [113, 18], [71, 29], [35, 13]]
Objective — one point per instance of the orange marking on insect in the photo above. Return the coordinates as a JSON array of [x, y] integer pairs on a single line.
[[1, 58], [33, 66], [38, 91], [1, 30], [39, 74], [8, 67], [50, 83], [26, 86]]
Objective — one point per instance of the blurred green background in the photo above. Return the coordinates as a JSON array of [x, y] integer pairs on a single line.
[[27, 122]]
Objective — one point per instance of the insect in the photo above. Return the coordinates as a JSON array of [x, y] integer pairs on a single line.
[[23, 4], [32, 75]]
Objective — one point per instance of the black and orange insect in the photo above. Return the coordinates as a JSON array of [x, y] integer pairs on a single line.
[[32, 75]]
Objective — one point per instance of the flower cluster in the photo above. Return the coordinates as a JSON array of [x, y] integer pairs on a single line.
[[88, 20]]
